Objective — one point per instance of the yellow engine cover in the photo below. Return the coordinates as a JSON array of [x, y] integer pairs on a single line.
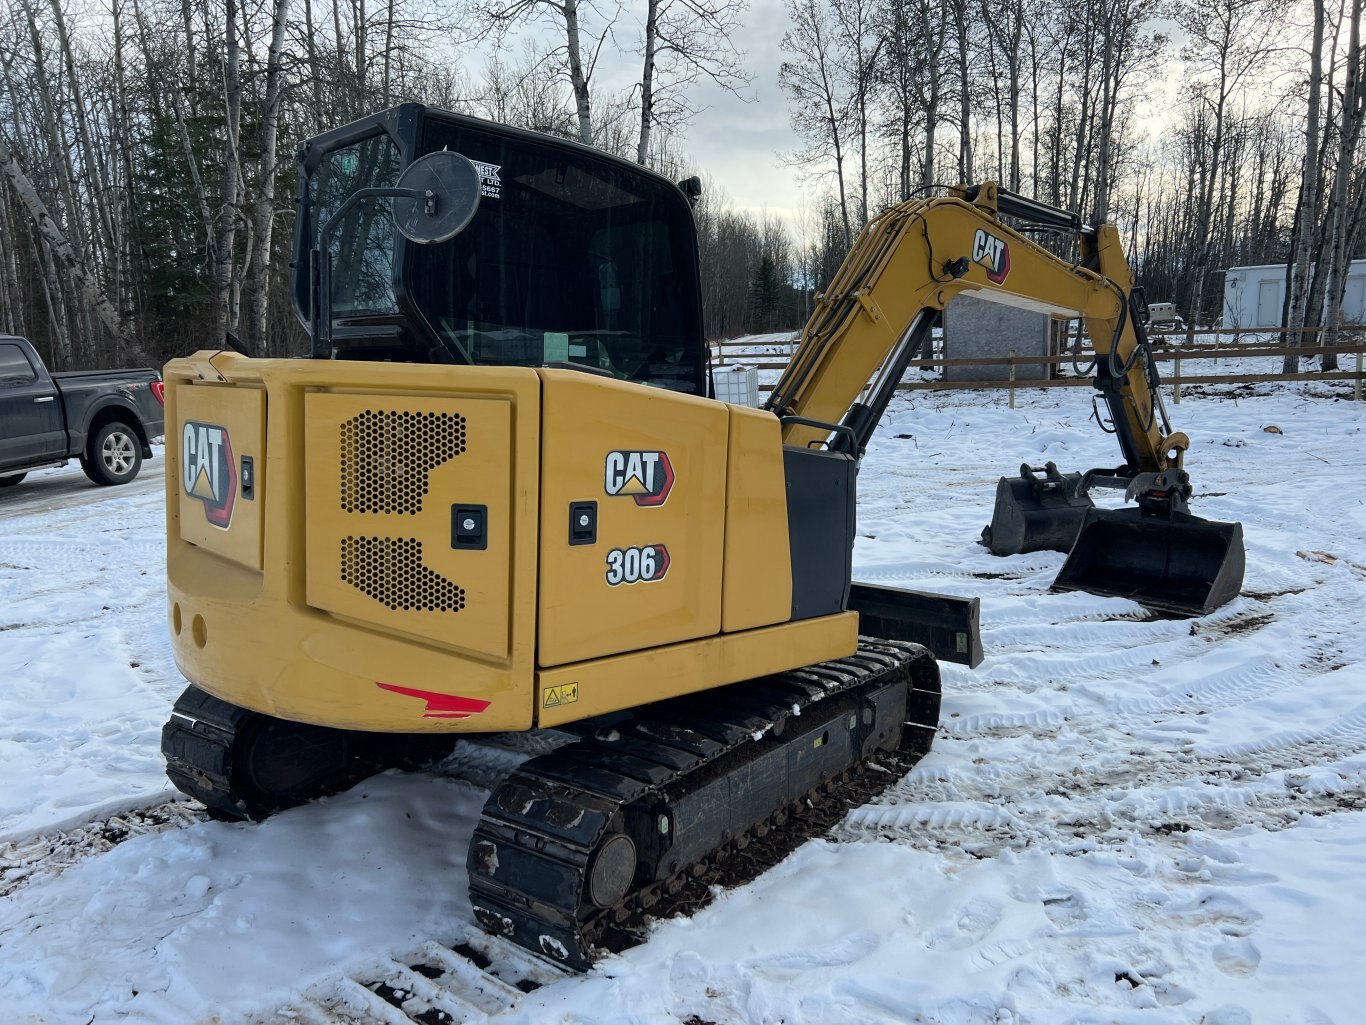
[[650, 466], [418, 548]]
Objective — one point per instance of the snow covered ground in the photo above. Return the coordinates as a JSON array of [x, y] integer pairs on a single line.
[[1125, 819]]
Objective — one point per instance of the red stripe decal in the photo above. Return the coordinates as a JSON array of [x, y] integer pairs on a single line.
[[440, 706]]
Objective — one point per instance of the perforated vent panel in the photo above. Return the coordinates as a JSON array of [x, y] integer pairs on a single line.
[[386, 456], [384, 472], [390, 570]]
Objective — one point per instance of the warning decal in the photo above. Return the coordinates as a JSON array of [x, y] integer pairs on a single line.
[[565, 694]]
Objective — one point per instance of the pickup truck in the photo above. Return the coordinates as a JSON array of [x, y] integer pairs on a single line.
[[105, 418]]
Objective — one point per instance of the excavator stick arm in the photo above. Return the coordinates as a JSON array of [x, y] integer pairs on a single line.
[[911, 260], [904, 268]]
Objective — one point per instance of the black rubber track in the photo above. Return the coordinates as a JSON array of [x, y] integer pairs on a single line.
[[712, 788], [247, 765]]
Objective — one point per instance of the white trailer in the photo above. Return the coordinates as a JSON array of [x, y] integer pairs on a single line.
[[1254, 296]]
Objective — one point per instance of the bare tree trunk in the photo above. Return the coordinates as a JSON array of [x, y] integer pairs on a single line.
[[1339, 254], [56, 311], [1086, 73], [647, 81], [359, 29], [1298, 285], [13, 316], [934, 36], [959, 9], [340, 42], [63, 256], [578, 79], [811, 79], [232, 172], [1101, 210], [124, 147], [191, 55], [839, 173], [1034, 108], [88, 158], [388, 52], [1062, 48], [59, 152], [258, 285], [315, 72]]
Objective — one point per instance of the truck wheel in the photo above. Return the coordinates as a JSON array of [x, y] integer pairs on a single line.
[[114, 454], [11, 480]]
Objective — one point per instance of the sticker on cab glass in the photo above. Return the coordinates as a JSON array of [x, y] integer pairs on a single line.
[[647, 477], [490, 185], [565, 694], [208, 470], [637, 565]]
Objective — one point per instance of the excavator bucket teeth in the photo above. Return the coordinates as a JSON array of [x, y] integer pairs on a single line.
[[1182, 564], [1036, 513]]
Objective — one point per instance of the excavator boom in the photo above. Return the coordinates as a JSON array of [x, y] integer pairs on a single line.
[[876, 315]]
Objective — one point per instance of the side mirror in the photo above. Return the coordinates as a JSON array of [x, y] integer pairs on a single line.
[[433, 200], [437, 196]]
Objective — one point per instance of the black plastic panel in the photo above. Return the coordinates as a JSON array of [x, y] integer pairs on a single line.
[[820, 529]]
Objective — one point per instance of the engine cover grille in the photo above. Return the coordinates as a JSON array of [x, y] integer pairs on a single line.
[[390, 570], [386, 456]]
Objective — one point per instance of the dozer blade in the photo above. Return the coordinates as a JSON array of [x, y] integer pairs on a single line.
[[1040, 510], [949, 626], [1181, 564]]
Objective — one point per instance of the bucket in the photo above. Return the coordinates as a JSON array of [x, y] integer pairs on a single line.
[[1179, 563], [1040, 510]]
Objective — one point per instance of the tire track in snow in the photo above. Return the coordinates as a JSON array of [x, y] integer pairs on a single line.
[[50, 854], [1075, 755], [983, 829], [462, 982], [1061, 796]]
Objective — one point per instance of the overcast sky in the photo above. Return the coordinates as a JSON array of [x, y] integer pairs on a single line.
[[736, 142], [740, 143]]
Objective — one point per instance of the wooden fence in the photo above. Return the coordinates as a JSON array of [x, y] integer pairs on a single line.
[[728, 354]]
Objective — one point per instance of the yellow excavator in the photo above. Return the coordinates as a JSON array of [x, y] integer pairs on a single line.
[[498, 499]]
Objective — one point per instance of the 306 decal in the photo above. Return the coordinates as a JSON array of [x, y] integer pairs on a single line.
[[637, 565]]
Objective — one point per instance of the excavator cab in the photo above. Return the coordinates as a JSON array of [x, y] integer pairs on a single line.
[[574, 258]]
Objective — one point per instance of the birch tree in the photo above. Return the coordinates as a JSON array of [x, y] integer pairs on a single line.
[[1298, 278], [817, 92], [579, 53], [1340, 209], [684, 42], [67, 261], [264, 219]]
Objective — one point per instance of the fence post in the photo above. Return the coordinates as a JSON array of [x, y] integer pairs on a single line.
[[1356, 392], [1012, 378], [1176, 381]]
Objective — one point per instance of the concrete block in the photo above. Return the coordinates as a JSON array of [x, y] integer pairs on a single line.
[[977, 327]]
